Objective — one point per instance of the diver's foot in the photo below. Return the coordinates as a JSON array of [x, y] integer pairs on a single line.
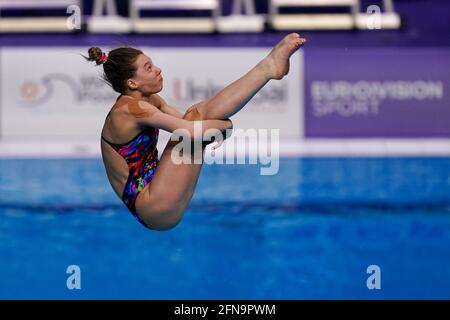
[[277, 62]]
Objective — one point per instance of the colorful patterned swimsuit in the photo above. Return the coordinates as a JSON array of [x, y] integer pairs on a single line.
[[141, 156]]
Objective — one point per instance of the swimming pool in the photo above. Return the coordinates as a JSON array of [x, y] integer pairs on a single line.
[[309, 232]]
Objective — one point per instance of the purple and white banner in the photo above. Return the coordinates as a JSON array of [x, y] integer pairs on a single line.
[[63, 97], [393, 93]]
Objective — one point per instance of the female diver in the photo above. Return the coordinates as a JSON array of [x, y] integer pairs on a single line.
[[157, 191]]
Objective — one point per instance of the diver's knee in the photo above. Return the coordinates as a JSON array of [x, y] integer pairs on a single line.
[[196, 112], [192, 114]]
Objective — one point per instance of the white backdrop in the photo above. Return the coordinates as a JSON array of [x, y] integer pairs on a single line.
[[53, 94]]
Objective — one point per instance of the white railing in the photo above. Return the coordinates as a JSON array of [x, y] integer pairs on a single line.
[[108, 22], [387, 19], [243, 17], [166, 24], [36, 24], [33, 4]]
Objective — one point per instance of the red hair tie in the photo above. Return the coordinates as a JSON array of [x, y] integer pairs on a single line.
[[103, 58]]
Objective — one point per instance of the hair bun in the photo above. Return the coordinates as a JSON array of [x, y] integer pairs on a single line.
[[96, 54]]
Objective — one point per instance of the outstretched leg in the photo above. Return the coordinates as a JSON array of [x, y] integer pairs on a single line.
[[235, 96]]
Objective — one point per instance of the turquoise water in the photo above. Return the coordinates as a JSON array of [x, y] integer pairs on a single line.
[[309, 232]]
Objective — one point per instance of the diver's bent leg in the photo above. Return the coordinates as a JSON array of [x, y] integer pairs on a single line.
[[161, 205]]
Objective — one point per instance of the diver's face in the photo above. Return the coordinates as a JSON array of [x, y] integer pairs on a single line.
[[147, 78]]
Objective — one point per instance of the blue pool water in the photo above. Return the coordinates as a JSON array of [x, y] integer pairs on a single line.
[[309, 232]]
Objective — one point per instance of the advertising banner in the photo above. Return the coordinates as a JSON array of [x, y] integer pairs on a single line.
[[54, 94], [391, 93]]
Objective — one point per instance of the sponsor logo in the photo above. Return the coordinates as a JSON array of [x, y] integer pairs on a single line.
[[347, 99]]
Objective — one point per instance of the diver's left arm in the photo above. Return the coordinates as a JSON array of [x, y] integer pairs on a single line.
[[164, 107]]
